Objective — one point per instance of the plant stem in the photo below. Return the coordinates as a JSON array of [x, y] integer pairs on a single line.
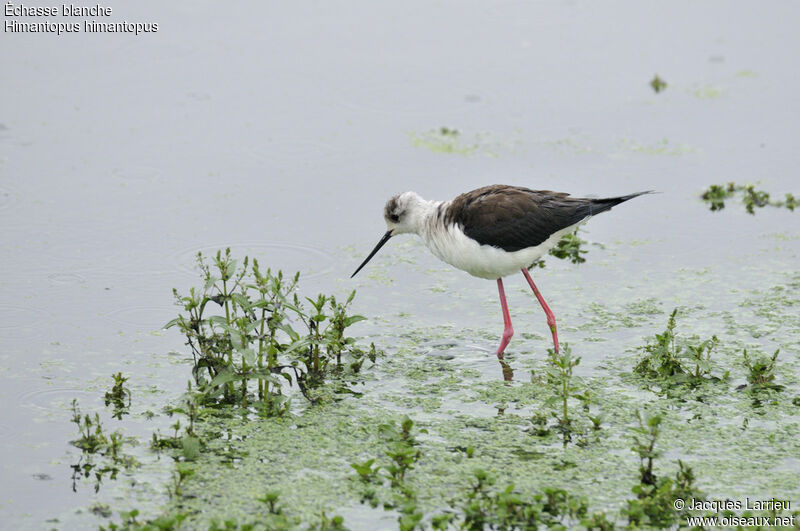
[[229, 386], [261, 353]]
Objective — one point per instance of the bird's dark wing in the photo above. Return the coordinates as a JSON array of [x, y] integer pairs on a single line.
[[513, 218]]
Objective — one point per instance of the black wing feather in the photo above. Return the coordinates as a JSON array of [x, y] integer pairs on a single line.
[[513, 218]]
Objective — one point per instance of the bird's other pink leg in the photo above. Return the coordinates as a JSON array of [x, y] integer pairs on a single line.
[[551, 319], [508, 331]]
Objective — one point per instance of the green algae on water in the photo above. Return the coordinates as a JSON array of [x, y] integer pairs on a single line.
[[658, 84], [716, 195]]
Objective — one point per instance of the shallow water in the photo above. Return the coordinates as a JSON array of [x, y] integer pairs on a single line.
[[281, 129]]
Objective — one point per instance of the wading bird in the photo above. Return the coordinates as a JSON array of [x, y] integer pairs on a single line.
[[493, 232]]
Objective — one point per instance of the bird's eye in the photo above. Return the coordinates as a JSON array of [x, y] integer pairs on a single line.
[[394, 218]]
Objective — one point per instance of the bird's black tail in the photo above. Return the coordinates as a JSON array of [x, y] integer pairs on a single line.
[[596, 206]]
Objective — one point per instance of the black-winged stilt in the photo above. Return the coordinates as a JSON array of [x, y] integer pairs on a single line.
[[493, 232]]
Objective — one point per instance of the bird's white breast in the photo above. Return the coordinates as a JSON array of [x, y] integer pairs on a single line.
[[451, 245]]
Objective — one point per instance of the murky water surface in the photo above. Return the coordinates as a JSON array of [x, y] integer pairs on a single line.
[[280, 130]]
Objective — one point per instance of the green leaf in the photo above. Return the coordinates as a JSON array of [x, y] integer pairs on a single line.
[[242, 301], [294, 336], [353, 319], [222, 378], [300, 343], [218, 320], [191, 447]]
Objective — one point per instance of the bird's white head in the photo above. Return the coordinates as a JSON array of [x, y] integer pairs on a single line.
[[405, 213]]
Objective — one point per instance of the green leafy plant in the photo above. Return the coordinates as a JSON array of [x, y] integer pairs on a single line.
[[484, 507], [252, 337], [669, 359], [716, 195], [119, 396], [101, 453], [761, 372], [657, 84], [182, 472], [569, 247], [403, 453], [131, 522], [655, 496], [565, 389], [561, 380]]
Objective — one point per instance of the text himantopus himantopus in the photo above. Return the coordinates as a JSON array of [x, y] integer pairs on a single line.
[[493, 232]]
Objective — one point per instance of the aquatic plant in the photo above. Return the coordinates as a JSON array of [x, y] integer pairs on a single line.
[[186, 440], [402, 453], [675, 361], [761, 375], [93, 443], [119, 396], [90, 429], [333, 523], [563, 387], [366, 472], [182, 472], [253, 337], [657, 84], [569, 247], [130, 522], [484, 507], [275, 519], [563, 384], [443, 140], [654, 504], [716, 195]]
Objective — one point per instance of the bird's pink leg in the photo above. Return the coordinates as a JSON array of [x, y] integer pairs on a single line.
[[508, 331], [551, 319]]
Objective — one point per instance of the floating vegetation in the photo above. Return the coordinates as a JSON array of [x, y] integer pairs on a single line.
[[484, 507], [452, 141], [716, 195], [709, 92], [657, 84], [484, 466], [402, 454], [569, 247], [252, 339], [443, 140], [119, 396], [130, 522], [663, 147], [677, 361]]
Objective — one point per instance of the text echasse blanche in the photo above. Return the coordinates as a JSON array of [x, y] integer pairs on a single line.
[[69, 10]]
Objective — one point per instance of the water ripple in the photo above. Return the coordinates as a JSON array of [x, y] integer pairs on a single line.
[[20, 317], [152, 318], [57, 399]]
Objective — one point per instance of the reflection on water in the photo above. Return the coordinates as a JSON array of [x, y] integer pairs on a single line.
[[508, 372]]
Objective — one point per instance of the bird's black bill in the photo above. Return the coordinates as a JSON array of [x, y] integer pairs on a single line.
[[375, 250]]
